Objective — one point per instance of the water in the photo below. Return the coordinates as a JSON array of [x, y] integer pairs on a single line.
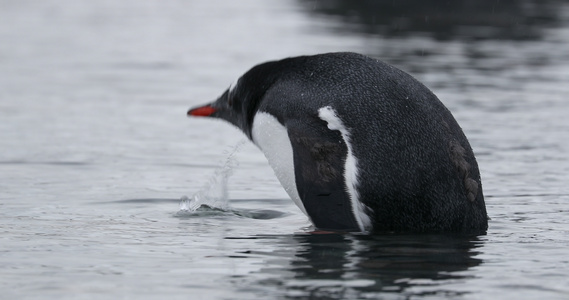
[[214, 194], [96, 151]]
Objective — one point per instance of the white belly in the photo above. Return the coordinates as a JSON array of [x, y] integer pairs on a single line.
[[272, 138]]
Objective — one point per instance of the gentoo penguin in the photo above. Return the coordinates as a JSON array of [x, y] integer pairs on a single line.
[[359, 145]]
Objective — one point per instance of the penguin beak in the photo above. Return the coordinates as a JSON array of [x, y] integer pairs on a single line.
[[215, 109], [202, 111], [218, 109]]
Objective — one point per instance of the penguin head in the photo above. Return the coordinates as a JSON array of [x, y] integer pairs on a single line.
[[239, 103], [229, 107]]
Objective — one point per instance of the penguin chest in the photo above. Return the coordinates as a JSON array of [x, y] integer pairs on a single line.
[[272, 138], [316, 167]]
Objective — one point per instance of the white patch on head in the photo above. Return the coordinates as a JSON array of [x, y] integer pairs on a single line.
[[234, 85], [272, 138], [329, 115]]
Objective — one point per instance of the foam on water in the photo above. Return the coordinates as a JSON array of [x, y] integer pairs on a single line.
[[214, 193]]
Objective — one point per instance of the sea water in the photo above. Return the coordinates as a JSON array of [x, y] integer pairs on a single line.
[[214, 194]]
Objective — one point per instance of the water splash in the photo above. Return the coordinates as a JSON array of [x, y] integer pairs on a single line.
[[214, 193]]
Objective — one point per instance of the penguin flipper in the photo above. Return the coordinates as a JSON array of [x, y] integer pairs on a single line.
[[319, 155]]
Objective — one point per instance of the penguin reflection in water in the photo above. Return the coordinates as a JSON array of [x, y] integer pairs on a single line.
[[359, 145]]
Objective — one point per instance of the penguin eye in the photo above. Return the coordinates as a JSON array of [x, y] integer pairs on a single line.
[[229, 100]]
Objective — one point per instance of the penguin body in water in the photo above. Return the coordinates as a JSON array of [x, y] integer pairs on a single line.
[[358, 145]]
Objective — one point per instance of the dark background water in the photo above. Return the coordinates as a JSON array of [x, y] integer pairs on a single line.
[[444, 20], [96, 150]]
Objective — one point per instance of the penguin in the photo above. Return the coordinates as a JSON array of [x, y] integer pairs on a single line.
[[358, 145]]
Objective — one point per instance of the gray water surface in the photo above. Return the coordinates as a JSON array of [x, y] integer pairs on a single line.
[[96, 151]]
